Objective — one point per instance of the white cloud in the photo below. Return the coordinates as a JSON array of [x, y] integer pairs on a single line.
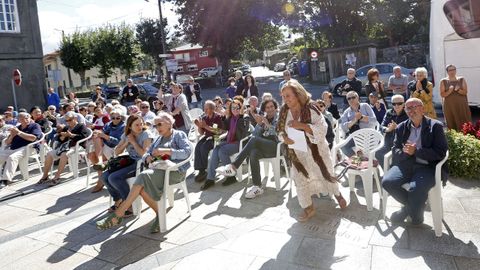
[[55, 16]]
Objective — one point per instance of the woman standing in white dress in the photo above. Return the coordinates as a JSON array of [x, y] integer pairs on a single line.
[[312, 171]]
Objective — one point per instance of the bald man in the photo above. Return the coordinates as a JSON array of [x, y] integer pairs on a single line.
[[419, 144]]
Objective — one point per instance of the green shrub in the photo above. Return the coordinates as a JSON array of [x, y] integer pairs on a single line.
[[464, 155]]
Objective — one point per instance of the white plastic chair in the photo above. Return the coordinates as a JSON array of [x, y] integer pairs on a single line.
[[368, 141], [168, 192], [137, 204], [276, 163], [434, 194], [193, 134], [74, 158], [195, 113], [30, 153], [44, 148]]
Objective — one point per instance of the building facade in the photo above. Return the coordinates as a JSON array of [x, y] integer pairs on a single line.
[[192, 58], [65, 80], [21, 48]]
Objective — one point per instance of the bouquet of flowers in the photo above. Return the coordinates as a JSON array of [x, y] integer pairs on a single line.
[[161, 163]]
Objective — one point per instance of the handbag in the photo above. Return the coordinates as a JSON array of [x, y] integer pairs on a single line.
[[356, 162], [116, 163]]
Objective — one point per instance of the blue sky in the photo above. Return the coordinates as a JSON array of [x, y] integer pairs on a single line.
[[58, 15]]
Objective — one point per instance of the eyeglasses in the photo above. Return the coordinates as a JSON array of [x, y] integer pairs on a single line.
[[235, 108], [158, 125], [397, 103], [117, 118], [350, 98], [452, 69], [52, 109], [69, 120], [411, 108], [144, 107]]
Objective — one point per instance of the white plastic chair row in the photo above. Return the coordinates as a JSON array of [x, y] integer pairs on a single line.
[[369, 141], [276, 163], [137, 204], [31, 153], [434, 194]]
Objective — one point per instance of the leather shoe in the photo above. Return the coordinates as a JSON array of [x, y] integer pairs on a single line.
[[230, 180], [201, 176], [207, 184], [399, 216]]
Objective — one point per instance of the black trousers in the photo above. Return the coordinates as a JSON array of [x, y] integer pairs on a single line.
[[202, 149]]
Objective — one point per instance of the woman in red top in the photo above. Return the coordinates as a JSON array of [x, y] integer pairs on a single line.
[[100, 119]]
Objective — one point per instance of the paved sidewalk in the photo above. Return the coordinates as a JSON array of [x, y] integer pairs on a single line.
[[54, 228]]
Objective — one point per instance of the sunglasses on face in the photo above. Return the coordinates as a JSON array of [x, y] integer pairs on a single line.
[[117, 118], [351, 98], [453, 69], [321, 106], [69, 120], [158, 125], [397, 103], [235, 108], [51, 109], [144, 107]]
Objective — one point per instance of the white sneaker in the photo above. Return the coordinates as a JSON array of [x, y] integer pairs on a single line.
[[227, 170], [254, 192]]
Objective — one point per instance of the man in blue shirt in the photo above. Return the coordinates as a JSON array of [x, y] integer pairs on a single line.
[[53, 98], [20, 136]]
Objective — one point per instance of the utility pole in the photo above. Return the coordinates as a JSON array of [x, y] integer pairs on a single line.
[[162, 32]]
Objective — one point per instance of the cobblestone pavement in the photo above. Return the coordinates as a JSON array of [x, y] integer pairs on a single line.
[[54, 228]]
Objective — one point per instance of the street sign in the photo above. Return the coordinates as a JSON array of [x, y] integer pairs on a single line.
[[165, 55], [171, 65], [322, 66], [17, 77], [313, 54]]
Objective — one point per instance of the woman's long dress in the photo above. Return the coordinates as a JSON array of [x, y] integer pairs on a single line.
[[455, 106], [316, 183]]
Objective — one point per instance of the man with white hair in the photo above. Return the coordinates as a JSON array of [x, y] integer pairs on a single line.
[[398, 82], [419, 145], [146, 114], [252, 110], [239, 82], [27, 132], [129, 93], [351, 83]]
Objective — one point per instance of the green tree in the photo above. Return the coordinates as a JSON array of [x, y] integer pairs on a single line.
[[75, 53], [253, 48], [226, 25], [103, 49], [149, 36], [127, 53]]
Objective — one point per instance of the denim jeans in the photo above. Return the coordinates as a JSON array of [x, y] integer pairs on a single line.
[[421, 179], [116, 182], [221, 153], [195, 105], [256, 148]]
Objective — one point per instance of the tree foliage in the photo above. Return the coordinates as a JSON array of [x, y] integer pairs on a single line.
[[149, 35], [226, 25], [75, 53]]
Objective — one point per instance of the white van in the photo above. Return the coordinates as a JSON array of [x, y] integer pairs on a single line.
[[459, 46]]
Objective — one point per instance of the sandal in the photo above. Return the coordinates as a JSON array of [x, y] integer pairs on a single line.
[[112, 209], [42, 181], [54, 182], [306, 215], [341, 201], [155, 226], [108, 223]]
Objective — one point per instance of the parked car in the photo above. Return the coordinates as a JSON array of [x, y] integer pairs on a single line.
[[148, 91], [385, 70], [246, 69], [111, 91], [208, 72], [279, 67]]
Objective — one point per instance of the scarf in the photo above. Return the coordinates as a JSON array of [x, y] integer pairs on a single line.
[[305, 117]]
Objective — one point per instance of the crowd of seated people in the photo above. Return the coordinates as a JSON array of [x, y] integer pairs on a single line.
[[241, 127]]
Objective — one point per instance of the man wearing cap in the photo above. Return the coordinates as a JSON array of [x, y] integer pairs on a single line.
[[27, 132], [129, 93]]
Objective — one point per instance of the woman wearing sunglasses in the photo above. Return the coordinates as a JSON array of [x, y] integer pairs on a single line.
[[393, 117], [237, 128], [171, 144], [104, 142]]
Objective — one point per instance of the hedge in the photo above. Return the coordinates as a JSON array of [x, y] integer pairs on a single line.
[[464, 155]]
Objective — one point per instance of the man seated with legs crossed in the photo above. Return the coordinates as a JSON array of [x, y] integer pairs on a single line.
[[263, 144], [20, 136], [419, 144]]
